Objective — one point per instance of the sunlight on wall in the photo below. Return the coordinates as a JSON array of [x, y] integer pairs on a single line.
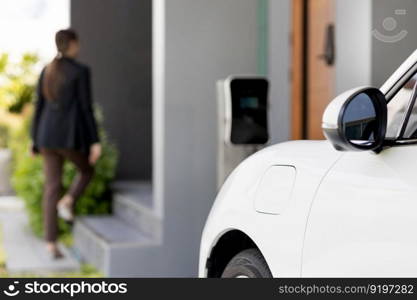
[[30, 25]]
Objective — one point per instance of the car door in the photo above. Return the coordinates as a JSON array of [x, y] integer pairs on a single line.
[[363, 219]]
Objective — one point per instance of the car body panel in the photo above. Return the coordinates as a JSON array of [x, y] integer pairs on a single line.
[[280, 237], [364, 217]]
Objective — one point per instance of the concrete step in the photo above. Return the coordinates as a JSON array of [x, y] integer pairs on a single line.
[[117, 244], [140, 191], [131, 204], [98, 239]]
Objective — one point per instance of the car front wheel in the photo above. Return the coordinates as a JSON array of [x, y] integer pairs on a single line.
[[247, 264]]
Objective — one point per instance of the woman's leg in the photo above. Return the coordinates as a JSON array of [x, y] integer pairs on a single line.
[[83, 178], [53, 162]]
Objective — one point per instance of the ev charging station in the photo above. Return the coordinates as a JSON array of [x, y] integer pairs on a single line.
[[243, 121]]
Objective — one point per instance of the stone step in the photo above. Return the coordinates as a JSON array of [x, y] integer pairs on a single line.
[[132, 203], [140, 191], [118, 244], [97, 239]]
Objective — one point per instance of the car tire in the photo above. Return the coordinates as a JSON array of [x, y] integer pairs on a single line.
[[247, 264]]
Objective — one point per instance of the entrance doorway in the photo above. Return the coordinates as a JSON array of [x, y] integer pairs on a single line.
[[313, 58]]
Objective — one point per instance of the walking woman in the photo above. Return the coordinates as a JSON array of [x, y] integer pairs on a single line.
[[64, 128]]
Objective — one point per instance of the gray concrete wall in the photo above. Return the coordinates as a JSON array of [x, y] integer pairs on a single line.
[[353, 44], [279, 60], [386, 57], [204, 41], [116, 38]]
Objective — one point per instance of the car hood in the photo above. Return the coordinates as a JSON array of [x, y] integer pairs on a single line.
[[313, 154]]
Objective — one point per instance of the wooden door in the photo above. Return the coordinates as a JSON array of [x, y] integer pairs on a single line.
[[320, 77], [313, 65]]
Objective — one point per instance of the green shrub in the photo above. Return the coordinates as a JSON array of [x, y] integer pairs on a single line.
[[4, 135], [28, 179], [18, 81]]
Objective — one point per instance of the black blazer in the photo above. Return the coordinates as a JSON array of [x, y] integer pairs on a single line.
[[66, 122]]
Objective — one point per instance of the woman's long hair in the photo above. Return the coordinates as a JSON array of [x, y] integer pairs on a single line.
[[54, 76]]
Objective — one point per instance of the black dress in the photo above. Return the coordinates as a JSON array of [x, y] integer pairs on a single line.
[[66, 122]]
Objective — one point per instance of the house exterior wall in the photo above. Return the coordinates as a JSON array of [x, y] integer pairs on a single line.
[[353, 44], [204, 41], [116, 37], [279, 60]]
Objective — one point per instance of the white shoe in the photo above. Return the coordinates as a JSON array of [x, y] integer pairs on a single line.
[[64, 212]]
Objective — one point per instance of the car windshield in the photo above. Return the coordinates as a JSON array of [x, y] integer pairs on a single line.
[[397, 108]]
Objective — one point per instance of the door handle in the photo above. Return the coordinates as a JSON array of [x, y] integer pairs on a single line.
[[329, 54]]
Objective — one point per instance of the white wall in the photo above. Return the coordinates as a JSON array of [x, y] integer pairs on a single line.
[[204, 41], [353, 44]]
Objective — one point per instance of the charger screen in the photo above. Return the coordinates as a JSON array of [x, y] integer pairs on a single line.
[[249, 111], [249, 103]]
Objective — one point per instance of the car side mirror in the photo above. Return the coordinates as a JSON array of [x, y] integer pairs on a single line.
[[356, 120]]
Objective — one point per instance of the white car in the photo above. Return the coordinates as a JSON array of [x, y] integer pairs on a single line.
[[345, 207]]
